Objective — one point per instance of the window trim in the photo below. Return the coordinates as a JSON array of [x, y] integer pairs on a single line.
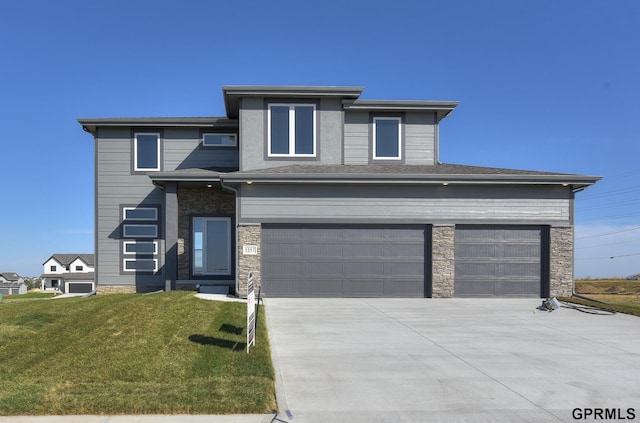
[[136, 241], [128, 225], [79, 268], [145, 219], [374, 143], [135, 259], [136, 168], [292, 126], [233, 135]]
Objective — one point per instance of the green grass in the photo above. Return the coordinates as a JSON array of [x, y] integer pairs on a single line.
[[167, 353], [28, 296]]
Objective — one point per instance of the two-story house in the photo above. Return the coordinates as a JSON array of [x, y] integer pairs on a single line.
[[68, 273], [321, 193], [12, 284]]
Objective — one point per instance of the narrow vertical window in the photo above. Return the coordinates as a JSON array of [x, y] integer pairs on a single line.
[[387, 138], [146, 152]]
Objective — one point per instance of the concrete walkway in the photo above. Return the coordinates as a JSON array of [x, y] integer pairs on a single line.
[[451, 360]]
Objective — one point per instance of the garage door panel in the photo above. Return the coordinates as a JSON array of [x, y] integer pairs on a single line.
[[283, 268], [323, 268], [321, 250], [404, 268], [343, 260], [363, 268], [402, 288], [320, 287], [363, 288], [288, 249]]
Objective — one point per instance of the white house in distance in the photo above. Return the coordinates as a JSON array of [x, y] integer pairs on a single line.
[[12, 284], [69, 273]]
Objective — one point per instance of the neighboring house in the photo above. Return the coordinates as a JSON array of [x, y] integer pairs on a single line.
[[69, 273], [321, 193], [12, 284]]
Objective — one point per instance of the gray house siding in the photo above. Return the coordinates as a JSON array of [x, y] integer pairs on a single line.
[[408, 204], [117, 186], [419, 137], [253, 133]]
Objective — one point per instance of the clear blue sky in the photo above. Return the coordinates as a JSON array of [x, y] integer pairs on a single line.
[[545, 85]]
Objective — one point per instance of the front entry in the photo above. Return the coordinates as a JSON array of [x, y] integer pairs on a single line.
[[212, 247]]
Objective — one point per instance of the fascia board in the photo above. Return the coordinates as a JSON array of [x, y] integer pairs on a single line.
[[412, 179]]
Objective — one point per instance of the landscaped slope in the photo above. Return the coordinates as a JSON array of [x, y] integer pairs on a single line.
[[166, 353]]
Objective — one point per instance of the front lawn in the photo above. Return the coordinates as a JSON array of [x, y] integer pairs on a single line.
[[166, 353]]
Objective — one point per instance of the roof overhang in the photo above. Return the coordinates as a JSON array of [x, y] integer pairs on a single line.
[[442, 109], [91, 124], [433, 176], [233, 93]]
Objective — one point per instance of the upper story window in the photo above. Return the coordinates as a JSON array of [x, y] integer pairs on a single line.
[[219, 140], [79, 268], [146, 152], [291, 130], [387, 138], [53, 269]]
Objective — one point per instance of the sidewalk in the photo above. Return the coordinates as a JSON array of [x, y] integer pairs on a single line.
[[184, 418]]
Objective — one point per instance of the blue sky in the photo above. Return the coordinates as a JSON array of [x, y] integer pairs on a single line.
[[546, 85]]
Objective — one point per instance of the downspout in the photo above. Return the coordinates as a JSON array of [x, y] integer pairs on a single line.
[[235, 191]]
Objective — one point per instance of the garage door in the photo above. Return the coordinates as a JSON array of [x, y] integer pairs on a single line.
[[344, 261], [80, 287], [498, 261]]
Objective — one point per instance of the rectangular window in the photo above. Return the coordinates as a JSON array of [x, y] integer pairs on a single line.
[[291, 130], [53, 268], [140, 265], [140, 247], [212, 246], [219, 140], [140, 213], [146, 151], [79, 268], [139, 231], [387, 138]]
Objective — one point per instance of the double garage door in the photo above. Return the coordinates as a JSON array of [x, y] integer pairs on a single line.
[[344, 261], [395, 261]]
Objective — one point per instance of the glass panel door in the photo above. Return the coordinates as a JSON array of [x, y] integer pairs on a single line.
[[212, 246]]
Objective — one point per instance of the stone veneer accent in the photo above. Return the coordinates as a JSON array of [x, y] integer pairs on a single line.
[[561, 261], [443, 261], [203, 202], [249, 235], [115, 289]]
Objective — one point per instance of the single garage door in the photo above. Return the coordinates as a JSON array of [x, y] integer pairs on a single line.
[[344, 261], [80, 287], [499, 261]]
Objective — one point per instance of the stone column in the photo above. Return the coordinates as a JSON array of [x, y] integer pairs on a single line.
[[443, 260], [250, 236], [561, 261]]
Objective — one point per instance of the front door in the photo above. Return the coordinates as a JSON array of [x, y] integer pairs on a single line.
[[212, 246]]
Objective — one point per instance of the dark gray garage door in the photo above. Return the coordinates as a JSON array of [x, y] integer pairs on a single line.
[[498, 261], [344, 261], [80, 287]]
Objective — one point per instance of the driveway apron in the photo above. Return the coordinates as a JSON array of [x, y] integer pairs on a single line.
[[414, 360]]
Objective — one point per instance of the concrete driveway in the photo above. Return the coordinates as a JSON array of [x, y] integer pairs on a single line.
[[413, 360]]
